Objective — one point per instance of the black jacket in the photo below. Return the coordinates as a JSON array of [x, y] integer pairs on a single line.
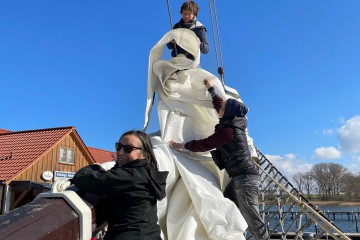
[[131, 193], [229, 139], [235, 154], [200, 32]]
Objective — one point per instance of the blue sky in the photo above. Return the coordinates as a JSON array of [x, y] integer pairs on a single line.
[[84, 64]]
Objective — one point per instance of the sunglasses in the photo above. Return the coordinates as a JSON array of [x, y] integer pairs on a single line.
[[127, 148]]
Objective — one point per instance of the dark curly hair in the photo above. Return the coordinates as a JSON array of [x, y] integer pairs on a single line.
[[191, 6]]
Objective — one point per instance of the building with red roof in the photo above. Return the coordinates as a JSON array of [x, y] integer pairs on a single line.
[[31, 160], [4, 131], [101, 156]]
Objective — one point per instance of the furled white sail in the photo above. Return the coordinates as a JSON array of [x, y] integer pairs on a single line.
[[194, 207]]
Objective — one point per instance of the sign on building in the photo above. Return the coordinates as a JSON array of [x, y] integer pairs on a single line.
[[63, 175]]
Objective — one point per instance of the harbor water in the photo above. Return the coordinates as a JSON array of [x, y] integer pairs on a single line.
[[346, 218]]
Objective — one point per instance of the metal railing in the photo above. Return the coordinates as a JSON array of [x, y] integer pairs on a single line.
[[279, 199]]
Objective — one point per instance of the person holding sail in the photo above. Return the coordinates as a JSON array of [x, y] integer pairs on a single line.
[[189, 11], [232, 153]]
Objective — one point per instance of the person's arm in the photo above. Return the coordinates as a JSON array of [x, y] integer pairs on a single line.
[[222, 136], [95, 180], [217, 101], [171, 44], [204, 44]]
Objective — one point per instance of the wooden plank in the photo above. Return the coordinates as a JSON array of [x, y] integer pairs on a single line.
[[22, 195]]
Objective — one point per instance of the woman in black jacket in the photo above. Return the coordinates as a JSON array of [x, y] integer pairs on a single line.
[[131, 188]]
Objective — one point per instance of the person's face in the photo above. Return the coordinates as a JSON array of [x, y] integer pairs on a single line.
[[222, 110], [187, 15], [129, 149]]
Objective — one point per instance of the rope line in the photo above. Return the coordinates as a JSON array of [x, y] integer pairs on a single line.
[[216, 38], [169, 12], [218, 34], [213, 33], [170, 19]]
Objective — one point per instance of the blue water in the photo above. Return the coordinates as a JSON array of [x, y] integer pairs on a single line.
[[341, 221]]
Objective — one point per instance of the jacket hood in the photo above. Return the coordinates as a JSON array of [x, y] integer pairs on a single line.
[[158, 182], [234, 109], [156, 178]]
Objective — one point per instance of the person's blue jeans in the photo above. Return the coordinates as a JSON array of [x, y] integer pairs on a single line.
[[243, 190]]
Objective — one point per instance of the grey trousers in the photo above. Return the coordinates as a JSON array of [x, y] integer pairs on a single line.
[[243, 190]]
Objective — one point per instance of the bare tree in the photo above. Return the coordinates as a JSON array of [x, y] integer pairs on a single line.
[[357, 187], [329, 178], [352, 185], [299, 181], [336, 175], [304, 182], [320, 176], [309, 183]]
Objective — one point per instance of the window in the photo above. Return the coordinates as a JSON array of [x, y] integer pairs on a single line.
[[70, 155], [66, 155], [62, 154]]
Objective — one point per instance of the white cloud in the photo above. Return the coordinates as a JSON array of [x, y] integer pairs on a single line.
[[290, 156], [327, 131], [349, 135], [354, 166], [327, 153], [289, 164]]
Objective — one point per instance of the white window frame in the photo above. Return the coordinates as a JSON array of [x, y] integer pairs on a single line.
[[64, 153]]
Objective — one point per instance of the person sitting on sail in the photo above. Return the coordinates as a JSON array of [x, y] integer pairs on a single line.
[[232, 153], [189, 11]]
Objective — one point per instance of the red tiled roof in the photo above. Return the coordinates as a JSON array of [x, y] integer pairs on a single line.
[[18, 150], [100, 155], [4, 131]]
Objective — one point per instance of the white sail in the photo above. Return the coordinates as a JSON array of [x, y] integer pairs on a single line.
[[194, 207]]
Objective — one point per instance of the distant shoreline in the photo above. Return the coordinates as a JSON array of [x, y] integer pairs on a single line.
[[335, 203]]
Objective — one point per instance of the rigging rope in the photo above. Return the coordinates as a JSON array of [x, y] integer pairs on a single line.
[[278, 199], [213, 32], [171, 25], [216, 34], [168, 7], [216, 38]]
